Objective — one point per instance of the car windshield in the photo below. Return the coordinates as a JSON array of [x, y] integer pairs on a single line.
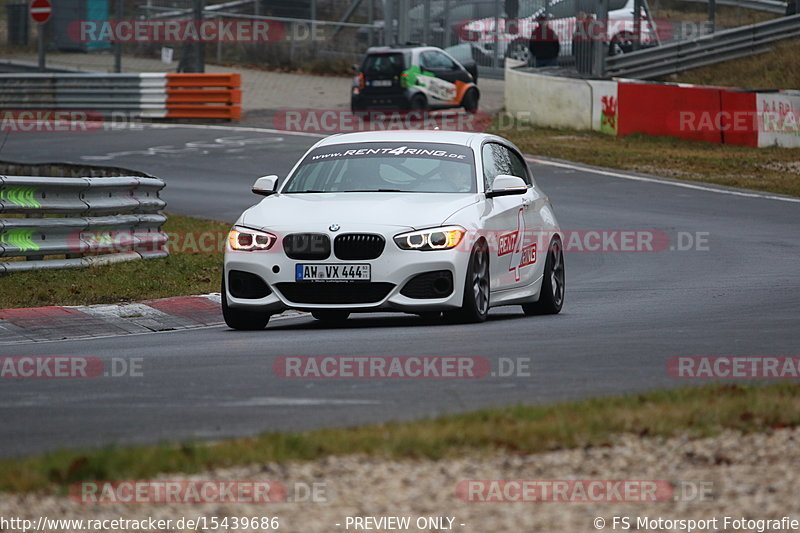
[[382, 167], [383, 64]]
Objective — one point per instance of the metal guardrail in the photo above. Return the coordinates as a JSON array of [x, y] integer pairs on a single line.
[[770, 6], [103, 220], [706, 50], [156, 95], [209, 9]]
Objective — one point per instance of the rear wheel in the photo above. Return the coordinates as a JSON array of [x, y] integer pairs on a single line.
[[551, 295], [330, 316], [240, 318], [470, 101], [475, 306], [418, 103]]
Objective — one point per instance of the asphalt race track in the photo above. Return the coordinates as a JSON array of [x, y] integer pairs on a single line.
[[625, 315]]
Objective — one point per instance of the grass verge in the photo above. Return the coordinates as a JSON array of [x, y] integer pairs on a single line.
[[764, 169], [184, 272], [697, 412]]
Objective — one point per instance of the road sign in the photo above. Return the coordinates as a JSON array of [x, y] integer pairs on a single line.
[[41, 10]]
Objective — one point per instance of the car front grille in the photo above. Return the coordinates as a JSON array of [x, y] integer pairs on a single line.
[[358, 246], [335, 292], [307, 246]]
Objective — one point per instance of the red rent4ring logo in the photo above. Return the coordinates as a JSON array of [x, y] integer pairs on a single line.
[[513, 243]]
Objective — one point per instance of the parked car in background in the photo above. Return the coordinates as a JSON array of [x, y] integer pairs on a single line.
[[513, 35], [413, 78]]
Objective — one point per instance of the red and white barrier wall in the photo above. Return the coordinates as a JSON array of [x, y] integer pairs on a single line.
[[621, 107], [149, 95]]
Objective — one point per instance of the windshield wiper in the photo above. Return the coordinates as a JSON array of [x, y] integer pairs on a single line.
[[308, 191]]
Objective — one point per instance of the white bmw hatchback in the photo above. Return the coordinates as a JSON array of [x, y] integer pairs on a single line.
[[425, 222]]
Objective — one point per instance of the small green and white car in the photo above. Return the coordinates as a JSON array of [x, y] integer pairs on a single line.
[[415, 78]]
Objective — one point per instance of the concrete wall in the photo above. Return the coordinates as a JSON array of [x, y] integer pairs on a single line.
[[551, 101], [695, 112]]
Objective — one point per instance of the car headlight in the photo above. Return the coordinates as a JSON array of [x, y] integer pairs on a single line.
[[431, 239], [246, 240]]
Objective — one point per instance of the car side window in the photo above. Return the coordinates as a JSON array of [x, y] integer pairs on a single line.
[[518, 167], [433, 60], [497, 159], [493, 163]]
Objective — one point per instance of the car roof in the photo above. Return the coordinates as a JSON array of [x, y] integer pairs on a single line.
[[463, 138], [399, 48]]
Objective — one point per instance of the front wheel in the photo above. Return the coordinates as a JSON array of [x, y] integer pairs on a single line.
[[475, 306], [551, 295], [239, 318]]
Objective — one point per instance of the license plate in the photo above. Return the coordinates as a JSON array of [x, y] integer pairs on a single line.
[[340, 272], [382, 83]]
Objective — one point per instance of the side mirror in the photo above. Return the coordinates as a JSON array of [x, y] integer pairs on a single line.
[[505, 185], [265, 185], [355, 68]]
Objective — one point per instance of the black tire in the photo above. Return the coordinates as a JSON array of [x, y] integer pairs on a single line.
[[475, 306], [418, 103], [331, 316], [520, 50], [239, 318], [551, 296], [470, 101], [621, 43]]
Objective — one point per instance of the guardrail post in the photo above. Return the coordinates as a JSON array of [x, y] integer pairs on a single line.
[[117, 43], [199, 47], [712, 15], [40, 31]]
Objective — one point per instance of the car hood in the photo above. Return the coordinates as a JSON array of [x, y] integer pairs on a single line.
[[316, 212]]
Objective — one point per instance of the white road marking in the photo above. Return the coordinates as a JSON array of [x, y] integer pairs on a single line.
[[277, 401], [235, 128], [662, 181]]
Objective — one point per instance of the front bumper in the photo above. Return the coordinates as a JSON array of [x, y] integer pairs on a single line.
[[395, 267]]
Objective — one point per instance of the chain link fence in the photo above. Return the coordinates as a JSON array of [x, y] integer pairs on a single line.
[[328, 36]]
